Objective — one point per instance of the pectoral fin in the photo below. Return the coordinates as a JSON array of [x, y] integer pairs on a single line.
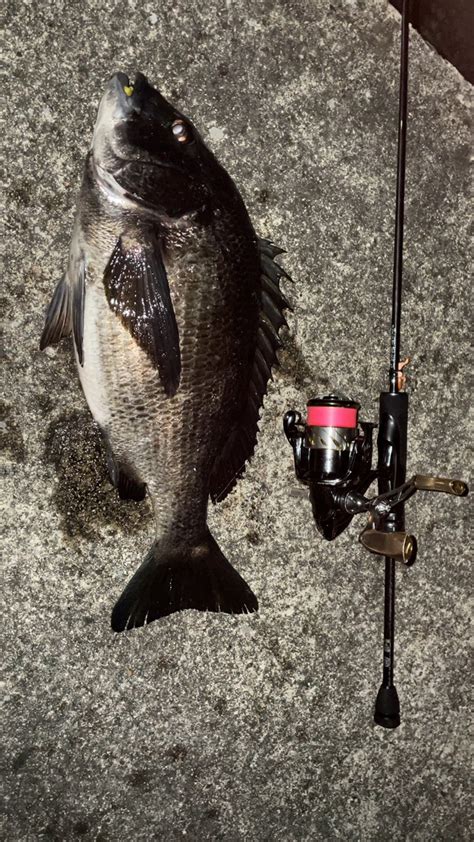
[[58, 321], [78, 301], [65, 314], [137, 290]]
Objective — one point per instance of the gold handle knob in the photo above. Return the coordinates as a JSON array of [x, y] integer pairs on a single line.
[[397, 545]]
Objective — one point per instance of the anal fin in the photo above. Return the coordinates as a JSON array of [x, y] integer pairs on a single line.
[[123, 477], [128, 487]]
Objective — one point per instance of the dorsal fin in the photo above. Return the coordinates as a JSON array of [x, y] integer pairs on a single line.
[[230, 464]]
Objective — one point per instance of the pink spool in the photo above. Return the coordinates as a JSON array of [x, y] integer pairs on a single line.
[[331, 416]]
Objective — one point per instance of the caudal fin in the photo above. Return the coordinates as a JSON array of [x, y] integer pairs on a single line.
[[174, 579]]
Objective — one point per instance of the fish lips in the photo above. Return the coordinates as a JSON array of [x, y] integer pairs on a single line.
[[135, 98], [140, 97]]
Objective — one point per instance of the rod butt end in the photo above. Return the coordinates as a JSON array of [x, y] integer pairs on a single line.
[[387, 708]]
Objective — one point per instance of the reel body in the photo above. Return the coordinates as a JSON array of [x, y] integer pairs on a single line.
[[333, 455]]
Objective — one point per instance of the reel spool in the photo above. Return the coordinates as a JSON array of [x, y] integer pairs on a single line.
[[331, 430]]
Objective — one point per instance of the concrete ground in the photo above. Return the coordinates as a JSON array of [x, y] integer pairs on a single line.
[[218, 727]]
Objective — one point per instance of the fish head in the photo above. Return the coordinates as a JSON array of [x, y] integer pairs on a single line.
[[150, 152]]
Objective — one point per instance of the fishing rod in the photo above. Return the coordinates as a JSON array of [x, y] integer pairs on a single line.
[[332, 449]]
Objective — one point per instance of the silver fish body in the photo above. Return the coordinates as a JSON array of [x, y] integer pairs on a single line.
[[175, 308]]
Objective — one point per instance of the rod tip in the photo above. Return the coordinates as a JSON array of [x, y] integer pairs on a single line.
[[387, 708]]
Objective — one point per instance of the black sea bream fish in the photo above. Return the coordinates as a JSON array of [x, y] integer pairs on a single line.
[[174, 306]]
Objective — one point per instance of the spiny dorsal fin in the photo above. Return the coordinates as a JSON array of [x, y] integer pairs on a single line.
[[230, 464], [136, 286]]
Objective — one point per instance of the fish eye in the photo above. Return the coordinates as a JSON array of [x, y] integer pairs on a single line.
[[181, 131]]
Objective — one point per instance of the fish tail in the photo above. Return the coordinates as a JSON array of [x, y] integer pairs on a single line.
[[175, 578]]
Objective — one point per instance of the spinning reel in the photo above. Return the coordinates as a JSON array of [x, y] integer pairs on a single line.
[[333, 457]]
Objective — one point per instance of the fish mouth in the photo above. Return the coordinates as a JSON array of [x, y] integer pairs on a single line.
[[129, 94]]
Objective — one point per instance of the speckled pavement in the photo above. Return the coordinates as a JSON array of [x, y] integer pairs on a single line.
[[241, 728]]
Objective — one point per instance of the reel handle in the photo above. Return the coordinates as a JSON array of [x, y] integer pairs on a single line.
[[447, 486]]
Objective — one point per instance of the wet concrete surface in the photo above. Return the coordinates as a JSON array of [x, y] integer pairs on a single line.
[[219, 727]]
